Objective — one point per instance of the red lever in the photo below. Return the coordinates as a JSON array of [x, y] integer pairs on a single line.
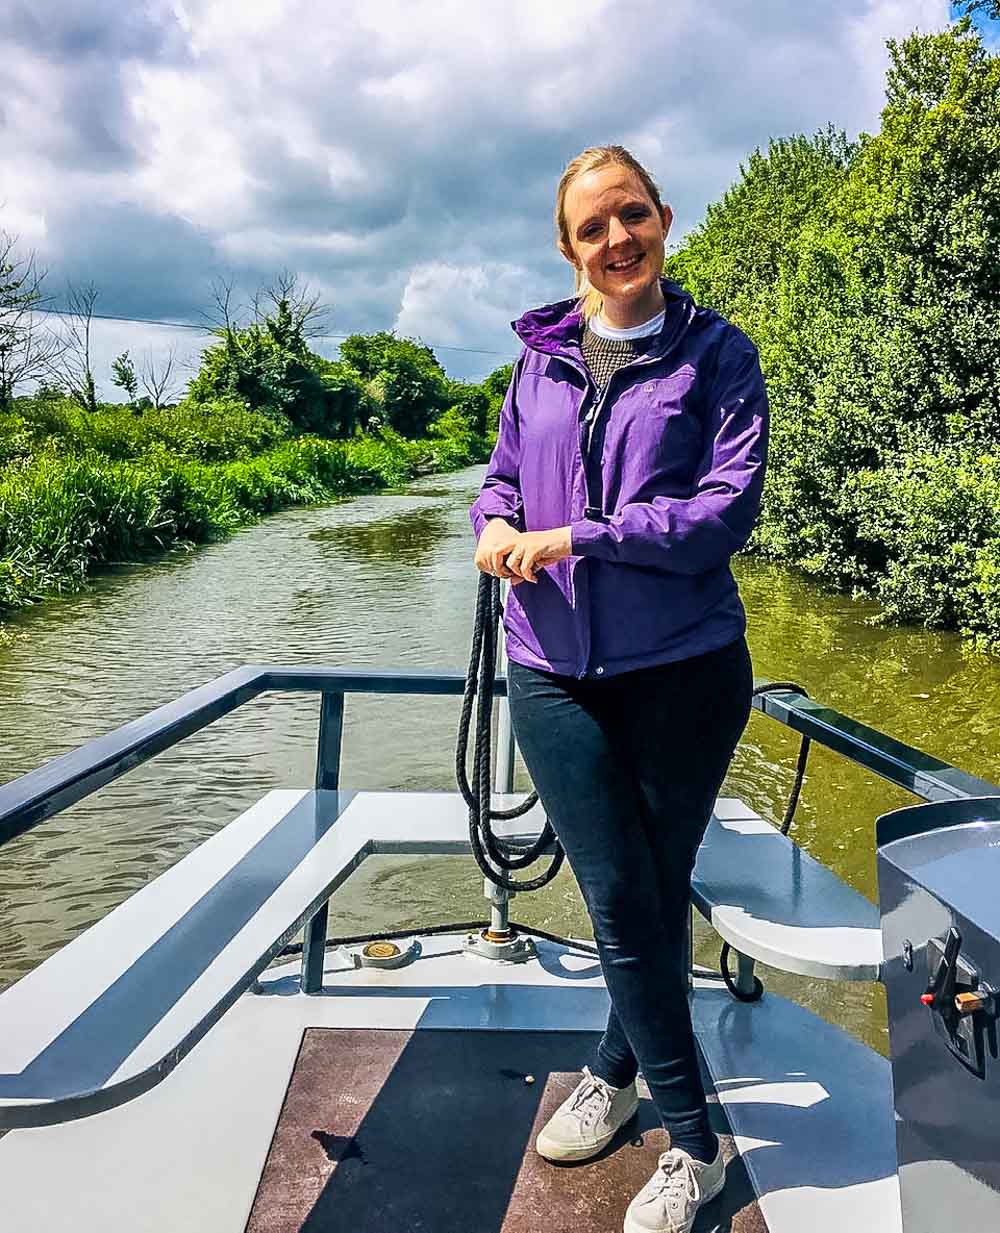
[[940, 992]]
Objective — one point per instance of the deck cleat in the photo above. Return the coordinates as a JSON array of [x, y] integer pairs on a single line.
[[505, 946], [381, 953]]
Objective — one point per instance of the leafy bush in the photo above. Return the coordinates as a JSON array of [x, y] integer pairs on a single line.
[[16, 439], [61, 515], [472, 402], [268, 365], [217, 431], [933, 521], [455, 441], [385, 457], [211, 431]]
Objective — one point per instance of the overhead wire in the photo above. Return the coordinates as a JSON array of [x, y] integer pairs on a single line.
[[207, 329]]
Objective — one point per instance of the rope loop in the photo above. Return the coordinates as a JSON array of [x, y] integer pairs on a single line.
[[495, 856], [738, 994]]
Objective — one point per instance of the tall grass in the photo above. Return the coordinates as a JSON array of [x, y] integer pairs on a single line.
[[79, 490]]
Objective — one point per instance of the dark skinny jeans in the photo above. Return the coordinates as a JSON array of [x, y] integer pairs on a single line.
[[628, 769]]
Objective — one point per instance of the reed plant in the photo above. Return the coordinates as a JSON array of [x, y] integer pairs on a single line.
[[78, 490]]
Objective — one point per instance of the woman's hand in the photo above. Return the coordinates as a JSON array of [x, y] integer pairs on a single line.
[[496, 541], [534, 549], [517, 555]]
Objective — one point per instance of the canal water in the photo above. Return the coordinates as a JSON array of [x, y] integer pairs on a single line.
[[387, 579]]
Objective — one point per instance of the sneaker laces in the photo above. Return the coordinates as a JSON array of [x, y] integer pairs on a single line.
[[674, 1179], [584, 1106]]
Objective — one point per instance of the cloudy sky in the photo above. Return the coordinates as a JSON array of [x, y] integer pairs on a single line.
[[401, 156]]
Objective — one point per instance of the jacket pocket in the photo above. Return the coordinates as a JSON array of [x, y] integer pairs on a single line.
[[653, 441]]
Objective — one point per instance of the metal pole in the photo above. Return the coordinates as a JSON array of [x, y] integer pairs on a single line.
[[744, 973], [503, 779], [331, 732]]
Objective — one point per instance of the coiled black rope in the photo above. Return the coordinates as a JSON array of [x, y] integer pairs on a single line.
[[496, 857]]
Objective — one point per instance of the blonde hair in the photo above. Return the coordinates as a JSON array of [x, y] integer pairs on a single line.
[[592, 159]]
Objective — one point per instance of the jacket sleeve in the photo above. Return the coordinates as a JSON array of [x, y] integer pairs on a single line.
[[500, 495], [700, 532]]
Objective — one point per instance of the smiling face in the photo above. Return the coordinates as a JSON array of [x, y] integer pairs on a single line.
[[617, 238]]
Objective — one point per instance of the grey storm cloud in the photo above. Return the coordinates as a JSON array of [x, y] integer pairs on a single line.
[[107, 29], [85, 45], [402, 158], [301, 195], [138, 260]]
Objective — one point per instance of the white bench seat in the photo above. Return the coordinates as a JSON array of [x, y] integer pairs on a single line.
[[110, 1014], [773, 902]]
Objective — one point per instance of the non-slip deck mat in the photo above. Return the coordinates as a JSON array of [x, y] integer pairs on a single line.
[[431, 1131]]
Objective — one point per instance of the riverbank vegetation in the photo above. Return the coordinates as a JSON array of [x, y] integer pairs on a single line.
[[266, 423], [868, 274]]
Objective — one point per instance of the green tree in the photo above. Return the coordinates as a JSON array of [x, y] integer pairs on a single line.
[[124, 376], [990, 7], [269, 365], [370, 354], [921, 214], [73, 365], [471, 402], [495, 386], [28, 348], [404, 380], [734, 259], [876, 309]]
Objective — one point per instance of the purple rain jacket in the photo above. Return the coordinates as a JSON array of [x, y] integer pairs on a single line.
[[670, 489]]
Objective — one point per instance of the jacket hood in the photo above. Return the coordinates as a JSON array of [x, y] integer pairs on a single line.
[[557, 328]]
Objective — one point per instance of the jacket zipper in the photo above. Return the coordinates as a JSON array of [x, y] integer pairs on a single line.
[[592, 388], [597, 408], [590, 509]]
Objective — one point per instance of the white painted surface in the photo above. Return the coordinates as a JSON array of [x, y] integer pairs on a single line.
[[771, 900], [51, 998], [810, 1106], [811, 1111], [762, 893], [44, 1002]]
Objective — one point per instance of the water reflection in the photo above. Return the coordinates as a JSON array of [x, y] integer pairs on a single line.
[[405, 539]]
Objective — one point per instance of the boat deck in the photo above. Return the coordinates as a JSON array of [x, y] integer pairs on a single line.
[[396, 1099], [384, 1130]]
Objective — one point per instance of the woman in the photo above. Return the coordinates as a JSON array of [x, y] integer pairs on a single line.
[[628, 469]]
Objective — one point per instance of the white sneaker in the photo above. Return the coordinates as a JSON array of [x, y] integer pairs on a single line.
[[587, 1119], [669, 1201]]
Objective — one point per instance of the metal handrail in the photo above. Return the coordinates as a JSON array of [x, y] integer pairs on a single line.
[[40, 794], [906, 766], [46, 791]]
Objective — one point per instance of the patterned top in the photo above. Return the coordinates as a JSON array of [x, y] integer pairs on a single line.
[[604, 356]]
